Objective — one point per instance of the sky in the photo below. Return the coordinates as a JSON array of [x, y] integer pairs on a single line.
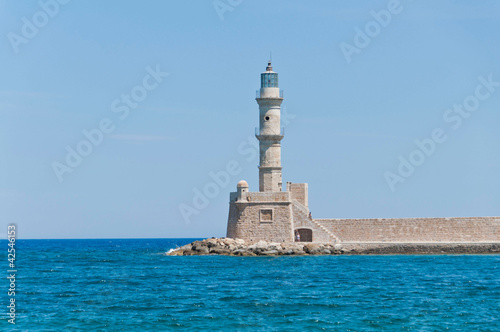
[[128, 119]]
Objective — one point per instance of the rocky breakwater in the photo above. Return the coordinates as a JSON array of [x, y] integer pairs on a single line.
[[238, 247]]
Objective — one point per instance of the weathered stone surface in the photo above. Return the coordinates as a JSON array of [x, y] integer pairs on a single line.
[[202, 250], [211, 242], [243, 252], [220, 251], [177, 252], [239, 241], [290, 213], [415, 230], [312, 247], [270, 252], [261, 244]]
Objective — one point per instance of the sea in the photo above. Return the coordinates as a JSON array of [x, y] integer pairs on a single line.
[[131, 285]]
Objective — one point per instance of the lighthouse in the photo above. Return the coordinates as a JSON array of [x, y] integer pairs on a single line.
[[270, 214], [276, 215], [269, 133]]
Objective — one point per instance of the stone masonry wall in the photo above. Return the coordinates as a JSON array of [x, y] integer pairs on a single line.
[[298, 192], [415, 230], [301, 220], [246, 221], [273, 217]]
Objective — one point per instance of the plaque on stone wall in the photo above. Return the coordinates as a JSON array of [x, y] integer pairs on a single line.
[[266, 215]]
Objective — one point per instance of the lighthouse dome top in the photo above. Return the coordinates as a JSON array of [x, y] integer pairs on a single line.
[[269, 69], [269, 66], [242, 183]]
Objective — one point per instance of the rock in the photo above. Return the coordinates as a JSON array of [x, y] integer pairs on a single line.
[[219, 251], [257, 250], [273, 246], [177, 252], [196, 246], [269, 252], [310, 247], [261, 244], [298, 248], [239, 241], [211, 242], [242, 252], [202, 250], [291, 246], [238, 247]]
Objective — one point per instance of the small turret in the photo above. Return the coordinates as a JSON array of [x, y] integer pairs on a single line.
[[241, 187]]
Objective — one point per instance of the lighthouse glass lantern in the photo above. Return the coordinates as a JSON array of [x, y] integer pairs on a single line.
[[269, 80]]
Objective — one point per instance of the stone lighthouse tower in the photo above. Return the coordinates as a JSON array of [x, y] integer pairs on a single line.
[[270, 214], [269, 134]]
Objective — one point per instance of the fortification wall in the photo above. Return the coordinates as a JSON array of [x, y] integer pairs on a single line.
[[415, 230], [301, 220], [298, 192], [261, 216]]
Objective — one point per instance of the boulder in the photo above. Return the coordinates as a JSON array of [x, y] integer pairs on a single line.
[[252, 247], [310, 247], [239, 241], [261, 244], [219, 251], [243, 252], [198, 245], [269, 252], [286, 252], [239, 247], [177, 252], [211, 242], [202, 250], [257, 250]]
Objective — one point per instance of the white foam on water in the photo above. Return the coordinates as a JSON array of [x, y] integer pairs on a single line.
[[172, 250]]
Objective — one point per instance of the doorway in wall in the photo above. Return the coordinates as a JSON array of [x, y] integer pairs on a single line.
[[306, 235]]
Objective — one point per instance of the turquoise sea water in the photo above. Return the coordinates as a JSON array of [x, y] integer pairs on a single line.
[[128, 285]]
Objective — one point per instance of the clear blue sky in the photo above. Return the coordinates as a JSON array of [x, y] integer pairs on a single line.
[[352, 120]]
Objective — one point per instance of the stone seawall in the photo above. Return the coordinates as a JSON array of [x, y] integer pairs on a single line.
[[420, 248], [238, 247], [415, 230]]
